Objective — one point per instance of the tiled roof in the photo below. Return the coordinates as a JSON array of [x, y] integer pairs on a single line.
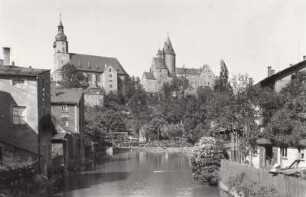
[[66, 95], [94, 91], [149, 75], [159, 63], [283, 73], [188, 71], [21, 71], [95, 63]]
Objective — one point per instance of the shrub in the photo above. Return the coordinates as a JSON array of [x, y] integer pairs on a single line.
[[242, 183], [206, 160]]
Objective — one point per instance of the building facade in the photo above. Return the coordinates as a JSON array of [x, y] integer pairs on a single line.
[[103, 72], [25, 120], [67, 109], [163, 69]]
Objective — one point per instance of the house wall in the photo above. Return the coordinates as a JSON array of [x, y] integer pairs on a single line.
[[292, 155], [34, 95], [58, 113], [92, 99], [280, 84]]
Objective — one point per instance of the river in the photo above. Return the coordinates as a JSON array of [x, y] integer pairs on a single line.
[[138, 174]]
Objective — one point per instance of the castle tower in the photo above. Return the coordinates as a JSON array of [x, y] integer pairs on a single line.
[[60, 55], [169, 56]]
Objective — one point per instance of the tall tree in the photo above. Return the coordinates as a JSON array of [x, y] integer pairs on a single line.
[[73, 78]]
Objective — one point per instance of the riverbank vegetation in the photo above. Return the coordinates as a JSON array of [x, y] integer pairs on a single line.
[[206, 160]]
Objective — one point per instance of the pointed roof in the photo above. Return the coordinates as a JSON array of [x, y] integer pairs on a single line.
[[168, 46], [60, 36], [60, 23]]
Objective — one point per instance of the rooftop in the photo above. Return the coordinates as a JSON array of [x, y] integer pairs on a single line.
[[95, 63], [149, 75], [66, 95], [21, 71]]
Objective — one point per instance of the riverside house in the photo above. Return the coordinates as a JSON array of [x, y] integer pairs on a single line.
[[26, 129], [68, 117]]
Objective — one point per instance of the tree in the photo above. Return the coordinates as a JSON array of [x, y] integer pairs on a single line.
[[154, 127], [73, 78], [111, 121], [222, 83], [287, 125], [206, 160]]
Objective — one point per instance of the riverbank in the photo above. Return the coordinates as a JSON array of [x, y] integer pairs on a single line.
[[184, 150]]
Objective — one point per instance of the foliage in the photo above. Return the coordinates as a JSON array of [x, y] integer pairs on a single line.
[[222, 83], [153, 129], [206, 159], [73, 78], [178, 142], [172, 131], [287, 124], [242, 183]]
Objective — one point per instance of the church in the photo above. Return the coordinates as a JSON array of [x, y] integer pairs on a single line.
[[102, 72], [163, 69]]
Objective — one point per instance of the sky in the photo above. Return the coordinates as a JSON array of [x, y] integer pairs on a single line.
[[248, 35]]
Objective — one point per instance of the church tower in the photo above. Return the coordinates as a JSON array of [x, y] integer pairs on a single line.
[[60, 55], [169, 56]]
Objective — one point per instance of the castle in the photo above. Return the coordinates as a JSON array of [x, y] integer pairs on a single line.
[[103, 72], [163, 69]]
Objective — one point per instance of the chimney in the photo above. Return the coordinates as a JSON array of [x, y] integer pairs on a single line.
[[304, 57], [272, 72], [6, 56], [269, 70], [251, 81]]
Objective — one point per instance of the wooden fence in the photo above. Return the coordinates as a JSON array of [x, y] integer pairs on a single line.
[[284, 185]]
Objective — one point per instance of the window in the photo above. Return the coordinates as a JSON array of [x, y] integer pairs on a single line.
[[19, 115], [301, 153], [110, 86], [110, 70], [65, 121], [64, 107], [98, 78], [18, 82], [283, 152], [110, 75], [110, 81]]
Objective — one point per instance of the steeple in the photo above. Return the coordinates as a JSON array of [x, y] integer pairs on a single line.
[[168, 46], [60, 34]]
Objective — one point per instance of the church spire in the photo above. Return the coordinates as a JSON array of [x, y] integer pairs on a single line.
[[60, 31], [60, 23], [168, 46]]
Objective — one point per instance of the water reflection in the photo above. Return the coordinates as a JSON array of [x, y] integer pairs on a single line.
[[138, 174]]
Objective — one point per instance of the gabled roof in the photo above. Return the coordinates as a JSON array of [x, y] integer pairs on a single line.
[[21, 71], [159, 63], [283, 73], [188, 71], [66, 95], [149, 75], [94, 91], [93, 63]]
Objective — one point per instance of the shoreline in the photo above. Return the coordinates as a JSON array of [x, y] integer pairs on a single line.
[[184, 150]]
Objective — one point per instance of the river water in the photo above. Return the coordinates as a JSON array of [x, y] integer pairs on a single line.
[[138, 174]]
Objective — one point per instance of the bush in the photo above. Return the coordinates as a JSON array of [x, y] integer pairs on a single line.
[[206, 160], [242, 183]]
